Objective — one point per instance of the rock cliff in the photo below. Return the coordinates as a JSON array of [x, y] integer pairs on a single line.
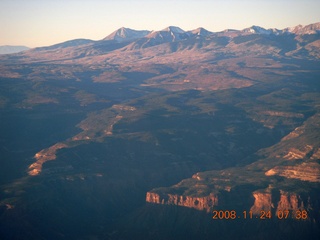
[[262, 201], [265, 200], [306, 172], [281, 200], [206, 203], [292, 201]]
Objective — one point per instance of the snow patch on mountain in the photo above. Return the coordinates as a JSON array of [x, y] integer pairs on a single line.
[[200, 32], [261, 30], [126, 34], [298, 30], [173, 29], [168, 34]]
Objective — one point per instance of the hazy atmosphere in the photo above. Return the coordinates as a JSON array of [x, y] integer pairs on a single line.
[[36, 23]]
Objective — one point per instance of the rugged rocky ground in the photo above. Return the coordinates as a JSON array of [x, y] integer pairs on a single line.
[[147, 134]]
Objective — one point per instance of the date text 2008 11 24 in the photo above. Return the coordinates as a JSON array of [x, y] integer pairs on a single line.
[[280, 214]]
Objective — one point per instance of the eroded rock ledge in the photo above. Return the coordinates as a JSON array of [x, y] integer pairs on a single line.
[[282, 200], [263, 200], [200, 203], [306, 172]]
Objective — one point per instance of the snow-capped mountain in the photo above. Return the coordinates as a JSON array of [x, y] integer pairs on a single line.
[[168, 34], [174, 39], [308, 29], [261, 30], [173, 29], [298, 30], [200, 32], [126, 34]]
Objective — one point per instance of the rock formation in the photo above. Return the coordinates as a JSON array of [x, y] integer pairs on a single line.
[[206, 203]]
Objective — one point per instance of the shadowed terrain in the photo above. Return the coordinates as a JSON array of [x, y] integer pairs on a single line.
[[145, 134]]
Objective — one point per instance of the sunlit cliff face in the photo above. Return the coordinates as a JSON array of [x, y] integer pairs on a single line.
[[200, 203]]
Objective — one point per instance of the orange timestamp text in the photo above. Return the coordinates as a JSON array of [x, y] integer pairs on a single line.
[[263, 215]]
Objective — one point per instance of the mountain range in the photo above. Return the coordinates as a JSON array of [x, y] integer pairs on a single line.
[[173, 33], [296, 41], [168, 134]]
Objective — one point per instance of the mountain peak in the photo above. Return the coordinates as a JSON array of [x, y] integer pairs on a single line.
[[173, 29], [201, 32], [258, 30], [126, 34], [168, 34]]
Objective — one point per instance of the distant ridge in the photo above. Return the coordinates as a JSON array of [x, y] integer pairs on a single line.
[[148, 38], [308, 29], [200, 32], [260, 30], [7, 49], [70, 43], [298, 30], [126, 34], [173, 39]]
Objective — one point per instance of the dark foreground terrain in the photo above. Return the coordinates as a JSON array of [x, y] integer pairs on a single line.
[[163, 137]]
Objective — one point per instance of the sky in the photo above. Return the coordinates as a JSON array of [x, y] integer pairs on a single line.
[[36, 23]]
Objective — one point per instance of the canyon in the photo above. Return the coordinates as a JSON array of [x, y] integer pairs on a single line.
[[144, 134]]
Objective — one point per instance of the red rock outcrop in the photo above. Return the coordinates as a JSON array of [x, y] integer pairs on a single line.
[[308, 171], [43, 156], [200, 203], [267, 201], [262, 201], [290, 201]]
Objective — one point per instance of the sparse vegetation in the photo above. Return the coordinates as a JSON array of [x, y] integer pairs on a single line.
[[103, 123]]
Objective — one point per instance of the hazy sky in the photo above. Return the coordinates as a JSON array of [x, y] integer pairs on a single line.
[[45, 22]]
